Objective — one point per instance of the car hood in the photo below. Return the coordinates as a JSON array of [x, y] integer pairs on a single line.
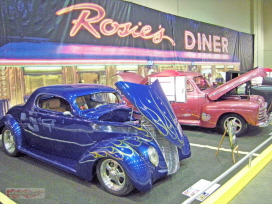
[[153, 104], [228, 86]]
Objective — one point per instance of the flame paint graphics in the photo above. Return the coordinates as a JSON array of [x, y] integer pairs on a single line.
[[163, 123], [167, 126], [118, 149], [109, 27]]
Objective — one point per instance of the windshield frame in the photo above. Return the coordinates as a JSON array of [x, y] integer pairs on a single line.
[[86, 102], [202, 83]]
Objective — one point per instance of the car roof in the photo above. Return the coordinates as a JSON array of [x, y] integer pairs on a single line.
[[71, 91]]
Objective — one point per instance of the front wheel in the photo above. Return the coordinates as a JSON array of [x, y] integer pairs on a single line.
[[240, 123], [113, 177], [9, 144]]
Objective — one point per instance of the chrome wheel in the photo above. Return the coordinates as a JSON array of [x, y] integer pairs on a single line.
[[112, 174], [236, 121], [9, 143], [113, 177], [239, 122]]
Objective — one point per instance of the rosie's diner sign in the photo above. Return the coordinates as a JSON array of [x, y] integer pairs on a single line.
[[109, 27]]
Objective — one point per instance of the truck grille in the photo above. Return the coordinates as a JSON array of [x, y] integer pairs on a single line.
[[262, 114]]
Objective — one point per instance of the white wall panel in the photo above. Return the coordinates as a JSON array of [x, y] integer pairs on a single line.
[[267, 18], [234, 14]]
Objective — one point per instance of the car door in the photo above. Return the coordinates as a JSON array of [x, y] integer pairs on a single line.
[[65, 135]]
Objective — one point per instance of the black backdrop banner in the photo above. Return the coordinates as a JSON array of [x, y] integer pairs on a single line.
[[114, 30]]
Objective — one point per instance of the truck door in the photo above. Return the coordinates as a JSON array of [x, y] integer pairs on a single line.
[[188, 113]]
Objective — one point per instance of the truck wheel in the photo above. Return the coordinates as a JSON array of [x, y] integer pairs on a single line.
[[9, 144], [241, 124], [113, 177]]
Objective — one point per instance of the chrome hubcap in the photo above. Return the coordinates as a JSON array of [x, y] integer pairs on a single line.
[[237, 123], [112, 174], [9, 142]]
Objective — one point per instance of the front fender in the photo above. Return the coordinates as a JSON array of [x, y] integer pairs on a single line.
[[10, 122], [211, 112], [123, 150], [185, 151]]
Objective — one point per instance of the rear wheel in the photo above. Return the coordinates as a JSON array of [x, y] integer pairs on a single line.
[[240, 123], [113, 177], [9, 144]]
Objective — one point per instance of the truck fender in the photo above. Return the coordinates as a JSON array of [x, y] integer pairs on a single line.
[[211, 113]]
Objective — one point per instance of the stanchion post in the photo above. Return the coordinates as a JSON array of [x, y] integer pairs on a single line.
[[230, 128]]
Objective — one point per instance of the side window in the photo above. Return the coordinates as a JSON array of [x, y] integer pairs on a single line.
[[82, 103], [53, 103], [190, 87]]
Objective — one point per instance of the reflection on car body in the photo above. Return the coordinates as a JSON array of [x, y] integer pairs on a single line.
[[87, 130]]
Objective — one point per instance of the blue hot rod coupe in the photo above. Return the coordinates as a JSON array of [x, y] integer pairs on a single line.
[[87, 130]]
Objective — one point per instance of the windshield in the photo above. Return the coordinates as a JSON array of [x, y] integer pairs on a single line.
[[202, 83], [97, 99]]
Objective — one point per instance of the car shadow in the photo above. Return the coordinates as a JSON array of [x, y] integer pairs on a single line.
[[56, 171], [252, 131], [213, 131]]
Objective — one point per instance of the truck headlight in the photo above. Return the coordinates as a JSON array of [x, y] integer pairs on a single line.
[[153, 155]]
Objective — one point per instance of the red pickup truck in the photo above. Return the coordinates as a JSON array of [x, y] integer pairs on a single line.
[[209, 106]]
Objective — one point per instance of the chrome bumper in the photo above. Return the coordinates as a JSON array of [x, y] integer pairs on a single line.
[[267, 122]]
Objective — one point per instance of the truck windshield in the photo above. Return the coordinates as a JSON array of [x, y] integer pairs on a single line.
[[202, 83]]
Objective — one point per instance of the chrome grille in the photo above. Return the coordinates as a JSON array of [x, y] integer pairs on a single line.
[[262, 114], [169, 151]]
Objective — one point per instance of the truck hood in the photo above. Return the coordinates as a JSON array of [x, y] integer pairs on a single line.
[[228, 86], [137, 78], [153, 104], [130, 77]]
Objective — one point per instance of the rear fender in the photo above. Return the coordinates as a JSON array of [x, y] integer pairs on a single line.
[[10, 122]]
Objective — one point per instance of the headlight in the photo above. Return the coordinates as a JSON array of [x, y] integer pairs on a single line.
[[260, 100], [153, 155]]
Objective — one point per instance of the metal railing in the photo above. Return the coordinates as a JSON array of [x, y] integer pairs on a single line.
[[248, 156]]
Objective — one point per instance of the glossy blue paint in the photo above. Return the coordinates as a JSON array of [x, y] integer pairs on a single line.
[[131, 152], [185, 151], [76, 139], [152, 102], [14, 126]]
